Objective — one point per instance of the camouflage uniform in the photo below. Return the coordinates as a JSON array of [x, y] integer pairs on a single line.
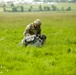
[[32, 35], [33, 28]]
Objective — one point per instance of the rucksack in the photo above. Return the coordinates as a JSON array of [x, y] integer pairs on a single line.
[[30, 39], [33, 40]]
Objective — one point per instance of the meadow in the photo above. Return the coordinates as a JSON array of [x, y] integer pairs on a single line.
[[56, 57]]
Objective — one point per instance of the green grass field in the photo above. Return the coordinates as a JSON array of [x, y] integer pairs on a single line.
[[56, 57]]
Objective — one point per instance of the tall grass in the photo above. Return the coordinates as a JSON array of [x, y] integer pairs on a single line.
[[56, 57]]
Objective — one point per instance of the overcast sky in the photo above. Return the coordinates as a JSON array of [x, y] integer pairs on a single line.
[[15, 0]]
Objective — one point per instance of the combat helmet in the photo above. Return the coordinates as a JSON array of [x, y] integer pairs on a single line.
[[37, 22]]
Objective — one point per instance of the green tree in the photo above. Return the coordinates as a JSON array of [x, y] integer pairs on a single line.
[[45, 8], [40, 8], [54, 7], [62, 8], [4, 9], [4, 5], [14, 9], [12, 4], [48, 8], [29, 10], [31, 6], [69, 8], [22, 9]]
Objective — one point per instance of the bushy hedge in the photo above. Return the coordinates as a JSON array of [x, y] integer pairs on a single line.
[[40, 8]]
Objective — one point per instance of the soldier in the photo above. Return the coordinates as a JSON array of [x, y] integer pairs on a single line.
[[33, 28], [32, 34]]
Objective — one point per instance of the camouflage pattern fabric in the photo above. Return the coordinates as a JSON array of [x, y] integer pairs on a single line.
[[33, 28]]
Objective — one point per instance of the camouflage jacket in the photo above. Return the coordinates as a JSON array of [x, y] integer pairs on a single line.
[[31, 30]]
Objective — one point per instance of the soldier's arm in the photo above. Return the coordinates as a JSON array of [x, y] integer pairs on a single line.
[[39, 31], [26, 30]]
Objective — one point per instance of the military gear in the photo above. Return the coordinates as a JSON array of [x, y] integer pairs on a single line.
[[33, 40], [29, 39], [43, 38], [37, 22]]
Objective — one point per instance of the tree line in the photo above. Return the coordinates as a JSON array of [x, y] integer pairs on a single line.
[[31, 9]]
